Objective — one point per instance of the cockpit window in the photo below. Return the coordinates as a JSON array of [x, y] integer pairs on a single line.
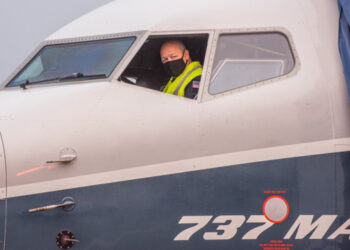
[[244, 59], [74, 61], [147, 70]]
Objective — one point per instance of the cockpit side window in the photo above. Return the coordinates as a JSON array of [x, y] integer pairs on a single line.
[[74, 61], [247, 58], [146, 68]]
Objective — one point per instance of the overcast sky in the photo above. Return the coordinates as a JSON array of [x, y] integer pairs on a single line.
[[24, 24]]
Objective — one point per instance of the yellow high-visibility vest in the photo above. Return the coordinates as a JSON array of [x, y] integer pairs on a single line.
[[178, 85]]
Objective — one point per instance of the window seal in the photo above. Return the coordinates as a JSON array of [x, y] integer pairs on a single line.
[[220, 32], [138, 35], [179, 33]]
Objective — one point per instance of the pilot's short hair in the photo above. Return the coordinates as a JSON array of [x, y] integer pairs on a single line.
[[176, 41]]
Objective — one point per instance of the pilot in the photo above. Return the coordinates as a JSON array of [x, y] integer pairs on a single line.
[[184, 74]]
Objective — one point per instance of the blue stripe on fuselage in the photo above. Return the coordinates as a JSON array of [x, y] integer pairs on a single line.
[[144, 213]]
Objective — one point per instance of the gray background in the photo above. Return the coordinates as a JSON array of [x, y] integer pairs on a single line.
[[24, 24]]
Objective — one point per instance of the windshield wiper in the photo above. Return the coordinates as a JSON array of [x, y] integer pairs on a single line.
[[64, 78]]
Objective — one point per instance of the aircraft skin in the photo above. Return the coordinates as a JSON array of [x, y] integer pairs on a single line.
[[157, 171]]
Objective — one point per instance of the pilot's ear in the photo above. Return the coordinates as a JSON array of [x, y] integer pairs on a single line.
[[186, 55]]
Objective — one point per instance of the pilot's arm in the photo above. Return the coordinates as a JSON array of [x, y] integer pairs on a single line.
[[192, 88]]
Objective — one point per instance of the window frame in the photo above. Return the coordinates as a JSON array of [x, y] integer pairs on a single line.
[[179, 33], [139, 35], [218, 33]]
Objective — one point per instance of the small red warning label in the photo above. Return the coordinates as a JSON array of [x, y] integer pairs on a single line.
[[276, 245], [275, 192]]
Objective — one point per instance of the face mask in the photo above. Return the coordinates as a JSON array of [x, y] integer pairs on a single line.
[[175, 67]]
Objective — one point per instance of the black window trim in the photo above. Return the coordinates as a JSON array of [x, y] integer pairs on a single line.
[[208, 53], [138, 35], [220, 32]]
